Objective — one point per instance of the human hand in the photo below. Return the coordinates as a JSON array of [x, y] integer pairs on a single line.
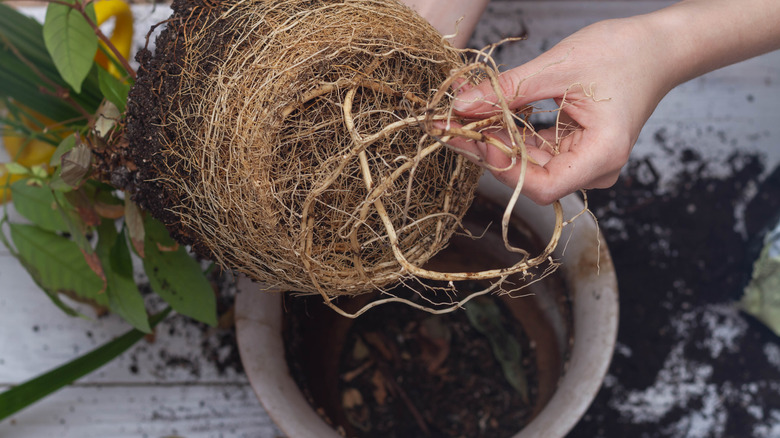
[[606, 79]]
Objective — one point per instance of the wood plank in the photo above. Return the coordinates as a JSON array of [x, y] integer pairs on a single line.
[[191, 411], [44, 337]]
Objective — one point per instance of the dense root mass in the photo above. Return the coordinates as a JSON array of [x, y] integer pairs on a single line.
[[284, 139]]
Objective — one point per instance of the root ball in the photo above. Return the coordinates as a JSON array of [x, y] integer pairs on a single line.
[[284, 139]]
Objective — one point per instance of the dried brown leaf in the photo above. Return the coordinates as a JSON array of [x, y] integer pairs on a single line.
[[135, 226], [380, 387], [351, 398], [434, 343], [109, 211], [94, 263]]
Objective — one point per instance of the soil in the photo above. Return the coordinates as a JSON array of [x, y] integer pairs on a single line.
[[407, 373], [157, 89]]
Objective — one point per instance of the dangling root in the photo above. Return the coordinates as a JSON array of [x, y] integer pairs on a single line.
[[472, 132]]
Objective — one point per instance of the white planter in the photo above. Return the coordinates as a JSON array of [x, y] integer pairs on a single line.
[[588, 272]]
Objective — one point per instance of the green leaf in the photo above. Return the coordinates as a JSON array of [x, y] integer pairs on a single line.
[[123, 295], [16, 169], [52, 294], [113, 89], [57, 263], [29, 76], [39, 173], [76, 227], [762, 294], [485, 316], [38, 205], [71, 42], [65, 146], [176, 277], [56, 182], [24, 395]]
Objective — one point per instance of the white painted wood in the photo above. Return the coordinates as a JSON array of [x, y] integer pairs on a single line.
[[44, 337], [735, 107], [118, 411]]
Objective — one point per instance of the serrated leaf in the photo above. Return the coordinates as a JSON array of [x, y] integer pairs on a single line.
[[57, 262], [38, 205], [176, 277], [113, 89], [71, 42], [124, 298]]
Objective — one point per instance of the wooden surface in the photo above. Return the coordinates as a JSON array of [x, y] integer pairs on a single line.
[[183, 384]]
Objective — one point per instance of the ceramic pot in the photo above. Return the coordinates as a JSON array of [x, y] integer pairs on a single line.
[[588, 339]]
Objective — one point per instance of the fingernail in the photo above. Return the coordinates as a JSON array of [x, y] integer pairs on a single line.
[[466, 100]]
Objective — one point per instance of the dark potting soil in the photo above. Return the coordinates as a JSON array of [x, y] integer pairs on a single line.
[[136, 165], [406, 373]]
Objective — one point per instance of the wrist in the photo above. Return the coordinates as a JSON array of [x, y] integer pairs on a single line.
[[699, 36], [444, 16]]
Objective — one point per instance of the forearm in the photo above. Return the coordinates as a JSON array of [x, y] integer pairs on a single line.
[[698, 36], [444, 16]]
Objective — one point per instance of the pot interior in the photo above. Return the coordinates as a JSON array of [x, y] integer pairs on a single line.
[[317, 340]]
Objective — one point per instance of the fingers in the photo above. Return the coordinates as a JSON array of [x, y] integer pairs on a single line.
[[567, 173], [581, 164], [536, 80]]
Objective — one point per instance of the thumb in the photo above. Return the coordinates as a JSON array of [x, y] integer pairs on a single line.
[[533, 81]]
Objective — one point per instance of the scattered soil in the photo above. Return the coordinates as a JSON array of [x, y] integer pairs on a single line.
[[688, 363], [195, 348]]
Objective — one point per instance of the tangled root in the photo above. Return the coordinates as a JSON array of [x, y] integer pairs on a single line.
[[294, 141]]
